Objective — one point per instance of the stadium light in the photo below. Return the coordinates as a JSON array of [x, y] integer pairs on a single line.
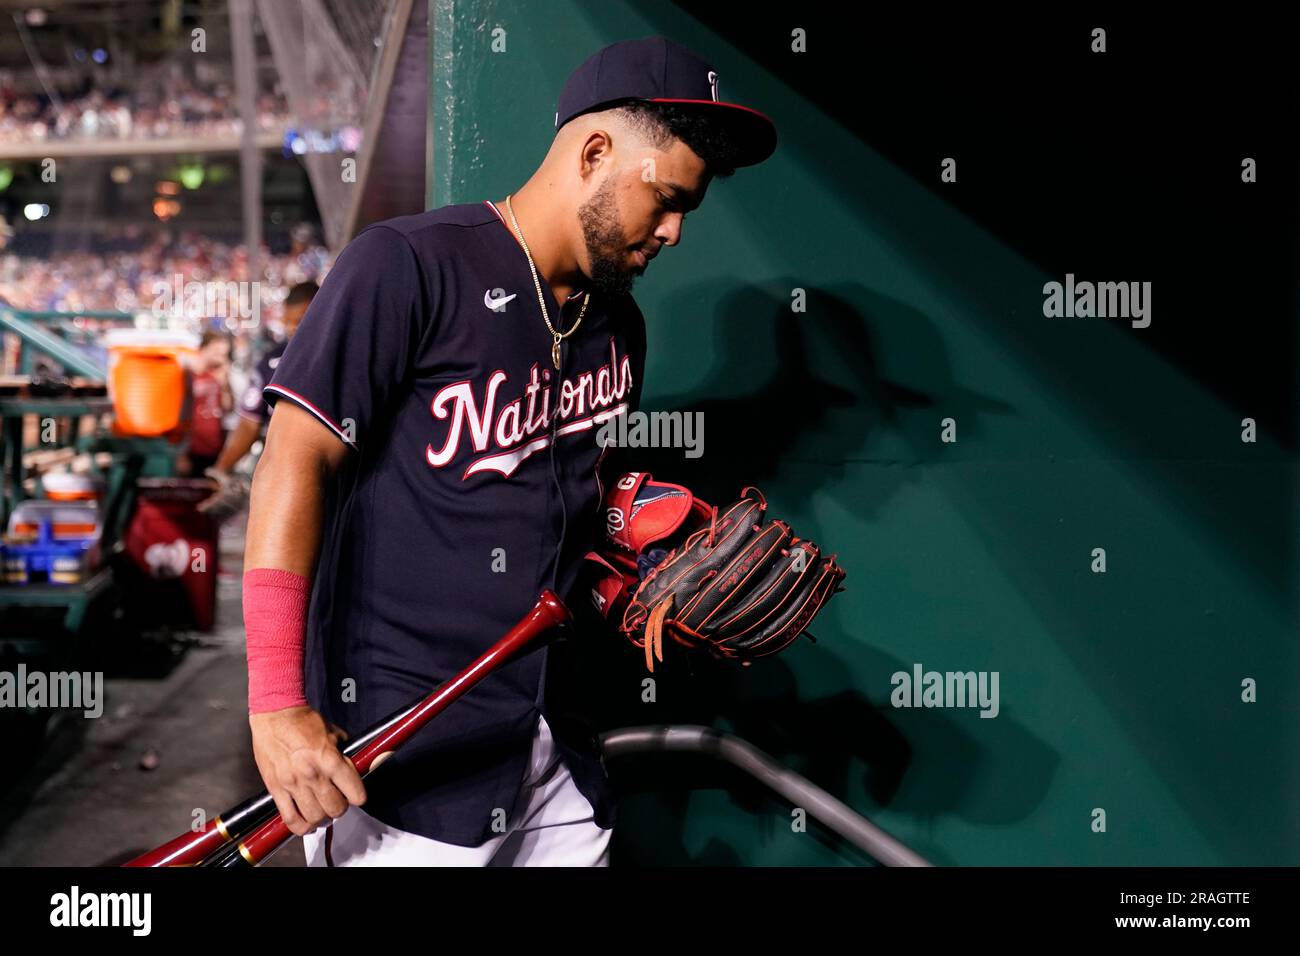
[[165, 209], [191, 176], [36, 210]]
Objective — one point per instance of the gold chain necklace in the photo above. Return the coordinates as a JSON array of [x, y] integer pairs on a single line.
[[556, 337]]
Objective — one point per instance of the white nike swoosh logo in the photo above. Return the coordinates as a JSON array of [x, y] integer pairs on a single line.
[[496, 305]]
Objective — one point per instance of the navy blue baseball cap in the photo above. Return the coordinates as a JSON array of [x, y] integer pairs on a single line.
[[657, 70]]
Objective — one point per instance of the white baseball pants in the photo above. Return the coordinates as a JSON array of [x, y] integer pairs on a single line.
[[553, 825]]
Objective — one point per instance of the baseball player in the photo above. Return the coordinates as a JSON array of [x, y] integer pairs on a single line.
[[432, 464], [254, 413]]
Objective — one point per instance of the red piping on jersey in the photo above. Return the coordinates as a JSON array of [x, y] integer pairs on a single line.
[[298, 399]]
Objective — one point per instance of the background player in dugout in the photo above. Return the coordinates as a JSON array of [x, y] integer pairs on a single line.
[[614, 188]]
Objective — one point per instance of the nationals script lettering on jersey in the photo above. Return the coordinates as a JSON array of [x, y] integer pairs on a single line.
[[584, 402]]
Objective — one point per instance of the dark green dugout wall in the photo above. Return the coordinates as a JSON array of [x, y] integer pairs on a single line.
[[1119, 691]]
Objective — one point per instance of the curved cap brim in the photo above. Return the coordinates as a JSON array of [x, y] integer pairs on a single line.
[[754, 132]]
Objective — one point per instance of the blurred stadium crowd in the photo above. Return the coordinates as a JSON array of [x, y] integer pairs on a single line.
[[145, 111], [131, 279]]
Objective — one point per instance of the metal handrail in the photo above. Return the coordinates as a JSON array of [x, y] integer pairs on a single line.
[[53, 346], [834, 813]]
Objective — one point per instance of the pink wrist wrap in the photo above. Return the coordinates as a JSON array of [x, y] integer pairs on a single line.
[[275, 617]]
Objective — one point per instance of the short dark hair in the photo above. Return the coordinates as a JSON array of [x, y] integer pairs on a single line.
[[302, 293], [661, 123]]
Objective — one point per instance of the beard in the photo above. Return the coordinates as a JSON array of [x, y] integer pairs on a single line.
[[607, 245]]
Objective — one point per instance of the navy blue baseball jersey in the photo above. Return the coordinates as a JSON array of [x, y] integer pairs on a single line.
[[476, 482], [252, 403]]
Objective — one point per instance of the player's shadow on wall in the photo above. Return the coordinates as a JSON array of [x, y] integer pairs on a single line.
[[808, 389], [804, 388], [796, 400]]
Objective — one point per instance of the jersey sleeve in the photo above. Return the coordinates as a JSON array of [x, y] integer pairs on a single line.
[[357, 342]]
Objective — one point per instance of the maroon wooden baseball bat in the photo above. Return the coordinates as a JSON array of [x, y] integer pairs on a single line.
[[226, 841]]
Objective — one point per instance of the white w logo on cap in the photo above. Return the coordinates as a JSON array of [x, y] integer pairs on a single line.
[[713, 84]]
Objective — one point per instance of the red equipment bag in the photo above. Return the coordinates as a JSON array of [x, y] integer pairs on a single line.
[[173, 544]]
